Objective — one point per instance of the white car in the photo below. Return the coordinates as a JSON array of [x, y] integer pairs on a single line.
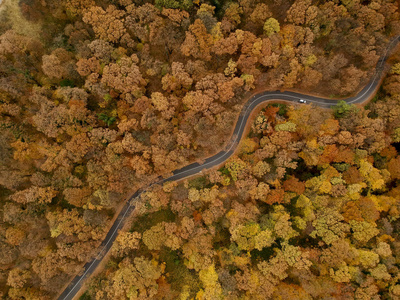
[[302, 101]]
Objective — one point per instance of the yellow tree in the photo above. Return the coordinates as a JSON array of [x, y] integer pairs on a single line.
[[212, 288], [198, 42]]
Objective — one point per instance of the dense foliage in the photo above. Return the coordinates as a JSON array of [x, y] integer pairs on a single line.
[[309, 208], [98, 98]]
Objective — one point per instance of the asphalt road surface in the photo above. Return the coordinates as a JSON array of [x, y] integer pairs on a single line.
[[220, 157]]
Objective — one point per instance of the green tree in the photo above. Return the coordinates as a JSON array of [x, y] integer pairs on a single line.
[[342, 109], [396, 135], [271, 26], [109, 120]]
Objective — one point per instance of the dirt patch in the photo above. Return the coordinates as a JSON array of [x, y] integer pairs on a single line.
[[10, 12]]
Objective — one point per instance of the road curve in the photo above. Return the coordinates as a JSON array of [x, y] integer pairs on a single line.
[[220, 157]]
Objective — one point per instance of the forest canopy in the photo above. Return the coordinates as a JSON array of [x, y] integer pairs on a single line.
[[304, 210], [98, 98]]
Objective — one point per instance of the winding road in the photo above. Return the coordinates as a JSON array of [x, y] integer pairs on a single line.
[[221, 157]]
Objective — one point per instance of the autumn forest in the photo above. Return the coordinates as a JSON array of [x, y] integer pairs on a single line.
[[99, 98]]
